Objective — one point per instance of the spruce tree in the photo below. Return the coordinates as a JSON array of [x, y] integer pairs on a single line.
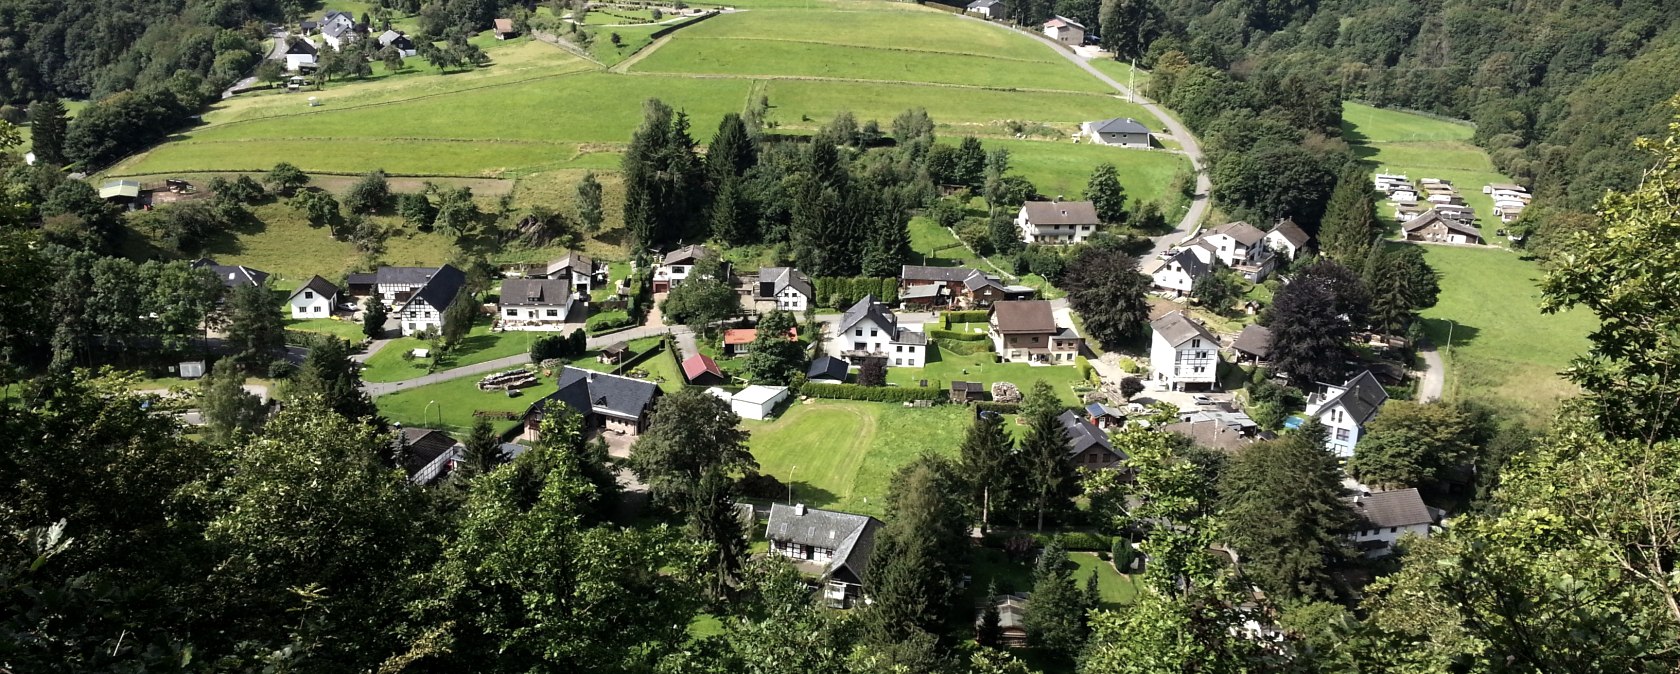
[[1401, 283], [985, 452], [255, 330], [1049, 476], [732, 150], [329, 373], [713, 519], [1281, 504], [48, 122], [229, 410], [1055, 617], [373, 319], [918, 554], [1350, 220], [589, 202]]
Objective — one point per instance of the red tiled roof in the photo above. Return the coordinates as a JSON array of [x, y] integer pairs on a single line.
[[698, 364], [737, 336]]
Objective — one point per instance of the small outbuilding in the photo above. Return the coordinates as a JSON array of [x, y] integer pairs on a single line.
[[758, 402], [827, 370], [614, 353], [967, 391], [702, 371], [504, 29]]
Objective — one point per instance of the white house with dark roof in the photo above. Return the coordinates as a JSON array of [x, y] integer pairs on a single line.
[[538, 304], [870, 330], [1088, 446], [1241, 247], [789, 288], [232, 275], [1183, 355], [830, 547], [1065, 30], [582, 271], [1388, 516], [1287, 239], [607, 401], [300, 54], [991, 9], [419, 295], [314, 299], [676, 266], [1345, 409], [1177, 274], [396, 39], [1120, 131], [338, 29], [1057, 222]]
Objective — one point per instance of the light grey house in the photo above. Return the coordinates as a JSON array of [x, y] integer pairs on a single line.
[[1121, 131]]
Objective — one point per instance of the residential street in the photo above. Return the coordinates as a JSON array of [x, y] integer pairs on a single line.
[[276, 52], [378, 389]]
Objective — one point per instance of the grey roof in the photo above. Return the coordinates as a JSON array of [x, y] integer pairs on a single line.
[[1024, 316], [870, 309], [1255, 340], [1065, 20], [1177, 329], [1433, 216], [585, 392], [1245, 234], [1291, 232], [1211, 433], [851, 537], [404, 276], [320, 285], [978, 281], [787, 277], [913, 272], [390, 36], [1121, 125], [534, 292], [828, 367], [982, 4], [232, 275], [336, 29], [357, 278], [1194, 266], [425, 445], [910, 337], [1083, 435], [1061, 213], [1101, 410], [1362, 396], [1011, 608], [301, 46], [572, 261], [686, 254], [440, 291], [1399, 508], [920, 292]]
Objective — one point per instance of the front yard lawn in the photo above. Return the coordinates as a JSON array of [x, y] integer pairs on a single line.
[[1116, 589], [479, 346], [449, 405], [349, 331], [945, 366]]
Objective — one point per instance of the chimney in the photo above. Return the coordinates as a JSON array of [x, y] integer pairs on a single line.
[[799, 509]]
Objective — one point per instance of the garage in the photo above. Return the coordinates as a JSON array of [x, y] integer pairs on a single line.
[[758, 402]]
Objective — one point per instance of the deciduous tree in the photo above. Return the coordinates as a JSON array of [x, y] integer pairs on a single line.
[[229, 410], [1104, 192], [1415, 445], [690, 433], [1107, 289]]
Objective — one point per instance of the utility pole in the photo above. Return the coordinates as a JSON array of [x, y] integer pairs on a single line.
[[790, 484], [1131, 85]]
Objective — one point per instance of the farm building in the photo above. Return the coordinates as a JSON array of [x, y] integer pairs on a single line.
[[504, 29], [1120, 131], [701, 370], [758, 402], [991, 9], [1065, 30]]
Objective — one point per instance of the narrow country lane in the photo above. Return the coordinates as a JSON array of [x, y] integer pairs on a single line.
[[376, 389]]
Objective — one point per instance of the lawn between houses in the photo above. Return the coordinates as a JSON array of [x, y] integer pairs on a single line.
[[945, 366]]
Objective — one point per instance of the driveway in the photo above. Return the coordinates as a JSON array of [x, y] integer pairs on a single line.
[[1434, 375], [1192, 149]]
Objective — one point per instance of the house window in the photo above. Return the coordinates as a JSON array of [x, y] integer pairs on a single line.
[[553, 313], [1196, 343], [308, 294], [1199, 369], [1201, 354], [428, 314], [513, 312], [898, 361], [1035, 340], [1394, 530], [859, 332], [898, 348], [910, 349], [1342, 434], [874, 333], [316, 310]]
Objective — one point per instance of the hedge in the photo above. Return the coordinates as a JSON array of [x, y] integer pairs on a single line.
[[970, 316], [880, 394], [952, 335], [852, 289], [966, 348], [308, 340], [1000, 408], [608, 320], [1079, 541]]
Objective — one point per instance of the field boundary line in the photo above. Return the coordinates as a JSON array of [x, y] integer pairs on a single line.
[[911, 50], [859, 80]]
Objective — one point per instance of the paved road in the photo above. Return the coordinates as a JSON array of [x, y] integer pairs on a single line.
[[1434, 376], [372, 348], [1192, 149], [376, 389], [277, 52]]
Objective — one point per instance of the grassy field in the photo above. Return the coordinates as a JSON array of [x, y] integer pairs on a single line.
[[350, 331], [1503, 350], [842, 454], [1126, 75], [480, 345], [1116, 590], [803, 103], [1063, 168], [944, 366], [1419, 146], [454, 401]]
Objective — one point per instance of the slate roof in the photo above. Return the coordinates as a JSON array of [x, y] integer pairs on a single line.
[[440, 291], [1193, 265], [786, 277], [982, 4], [572, 261], [1121, 125], [1024, 316], [1177, 329], [336, 29], [687, 254], [1291, 232], [852, 537], [1083, 435], [321, 286], [425, 445], [828, 367], [404, 276], [1245, 234], [923, 291], [1399, 508], [1362, 396], [699, 364], [601, 393], [232, 276], [302, 47], [534, 292], [1211, 433], [1432, 216], [1254, 340], [870, 309], [504, 25], [390, 36], [914, 272], [909, 337], [1052, 213]]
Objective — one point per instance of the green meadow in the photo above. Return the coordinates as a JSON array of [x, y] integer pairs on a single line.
[[1421, 146]]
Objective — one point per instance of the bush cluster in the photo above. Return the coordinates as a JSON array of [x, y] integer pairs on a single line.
[[880, 394]]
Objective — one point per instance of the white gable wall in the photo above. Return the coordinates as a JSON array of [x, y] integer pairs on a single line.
[[310, 304]]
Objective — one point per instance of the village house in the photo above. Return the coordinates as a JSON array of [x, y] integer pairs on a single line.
[[1177, 274], [428, 455], [1104, 417], [339, 29], [1065, 30], [701, 370], [424, 308], [1088, 447], [1026, 332], [1388, 516], [232, 275], [1241, 247], [991, 9], [1183, 355], [1120, 131], [582, 271], [396, 39], [1012, 618], [300, 54], [870, 330], [608, 402], [1345, 409], [314, 299], [504, 29], [830, 547], [960, 287], [1218, 428], [1057, 221], [676, 266], [1287, 239], [789, 288], [539, 304], [739, 341], [1431, 226]]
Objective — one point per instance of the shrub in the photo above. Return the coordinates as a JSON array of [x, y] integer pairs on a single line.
[[763, 486], [970, 316], [997, 407], [607, 321], [952, 335], [549, 347], [881, 394], [1085, 370], [1079, 541]]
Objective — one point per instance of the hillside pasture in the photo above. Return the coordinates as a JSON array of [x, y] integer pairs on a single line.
[[1420, 146], [797, 103]]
